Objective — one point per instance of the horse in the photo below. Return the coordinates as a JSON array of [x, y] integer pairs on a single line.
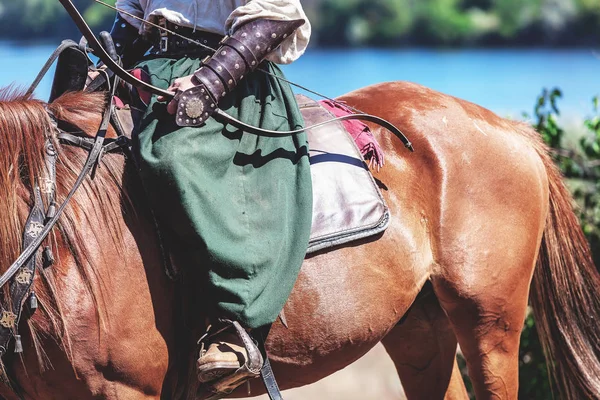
[[481, 225]]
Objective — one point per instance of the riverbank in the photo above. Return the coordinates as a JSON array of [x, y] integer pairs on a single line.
[[392, 23]]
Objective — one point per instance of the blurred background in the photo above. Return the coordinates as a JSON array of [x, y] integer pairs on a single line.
[[535, 60]]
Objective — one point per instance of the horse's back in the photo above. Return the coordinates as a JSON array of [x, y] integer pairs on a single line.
[[473, 173]]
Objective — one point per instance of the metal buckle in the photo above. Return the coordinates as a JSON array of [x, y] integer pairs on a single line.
[[164, 44], [164, 36]]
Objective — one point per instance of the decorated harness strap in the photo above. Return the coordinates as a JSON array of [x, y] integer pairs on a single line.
[[20, 285]]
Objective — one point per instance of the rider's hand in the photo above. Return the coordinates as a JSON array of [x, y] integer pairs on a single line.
[[93, 74], [179, 85]]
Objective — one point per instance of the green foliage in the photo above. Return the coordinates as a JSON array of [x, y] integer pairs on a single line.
[[455, 22], [98, 15], [371, 22], [47, 20], [587, 192], [442, 21], [580, 165], [357, 22], [591, 143], [547, 114], [515, 15]]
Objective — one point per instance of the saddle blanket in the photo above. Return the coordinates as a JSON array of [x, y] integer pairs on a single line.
[[347, 204]]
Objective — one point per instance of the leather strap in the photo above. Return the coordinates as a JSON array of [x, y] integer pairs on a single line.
[[19, 287], [226, 76], [245, 51], [55, 54], [266, 373], [88, 143], [93, 158]]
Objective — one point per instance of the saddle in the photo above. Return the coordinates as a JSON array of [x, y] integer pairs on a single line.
[[347, 204]]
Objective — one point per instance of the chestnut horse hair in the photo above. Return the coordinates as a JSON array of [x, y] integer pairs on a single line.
[[24, 127], [479, 211]]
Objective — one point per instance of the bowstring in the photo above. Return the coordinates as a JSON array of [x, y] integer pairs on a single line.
[[164, 29]]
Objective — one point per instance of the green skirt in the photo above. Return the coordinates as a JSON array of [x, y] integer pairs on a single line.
[[238, 204]]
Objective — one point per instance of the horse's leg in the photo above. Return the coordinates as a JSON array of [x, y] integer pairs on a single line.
[[483, 285], [423, 348], [488, 333]]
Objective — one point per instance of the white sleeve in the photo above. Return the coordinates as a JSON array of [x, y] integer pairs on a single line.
[[291, 48], [133, 7]]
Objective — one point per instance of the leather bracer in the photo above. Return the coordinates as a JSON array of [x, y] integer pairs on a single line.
[[239, 54]]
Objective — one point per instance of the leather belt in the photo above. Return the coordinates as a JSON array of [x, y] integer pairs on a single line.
[[167, 44]]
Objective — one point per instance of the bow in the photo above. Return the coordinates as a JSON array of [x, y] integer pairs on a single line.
[[102, 54], [99, 51]]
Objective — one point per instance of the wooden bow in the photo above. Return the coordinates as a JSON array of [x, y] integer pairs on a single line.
[[127, 77]]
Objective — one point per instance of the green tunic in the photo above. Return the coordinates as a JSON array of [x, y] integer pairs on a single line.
[[239, 204]]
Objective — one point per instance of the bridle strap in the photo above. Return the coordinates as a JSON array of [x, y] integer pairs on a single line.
[[93, 157], [62, 47], [88, 143]]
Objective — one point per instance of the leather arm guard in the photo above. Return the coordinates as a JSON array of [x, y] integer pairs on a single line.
[[239, 54], [129, 44]]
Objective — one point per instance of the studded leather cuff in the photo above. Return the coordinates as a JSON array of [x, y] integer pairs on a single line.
[[239, 54]]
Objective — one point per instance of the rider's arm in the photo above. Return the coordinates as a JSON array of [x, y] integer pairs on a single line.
[[241, 52], [132, 7], [125, 33], [295, 45]]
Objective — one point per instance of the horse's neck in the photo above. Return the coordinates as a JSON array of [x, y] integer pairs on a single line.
[[106, 304], [119, 242]]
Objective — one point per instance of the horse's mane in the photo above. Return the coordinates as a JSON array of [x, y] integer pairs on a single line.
[[24, 127]]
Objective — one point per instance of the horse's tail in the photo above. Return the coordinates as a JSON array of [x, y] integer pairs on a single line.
[[565, 296]]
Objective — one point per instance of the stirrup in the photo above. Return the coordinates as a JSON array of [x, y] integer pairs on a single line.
[[251, 368]]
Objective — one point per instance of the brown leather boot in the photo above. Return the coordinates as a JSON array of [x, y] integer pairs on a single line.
[[226, 363], [224, 356]]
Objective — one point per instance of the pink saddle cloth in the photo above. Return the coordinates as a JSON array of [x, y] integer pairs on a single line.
[[347, 204], [360, 132]]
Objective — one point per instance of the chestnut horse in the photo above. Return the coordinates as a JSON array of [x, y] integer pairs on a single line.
[[481, 223]]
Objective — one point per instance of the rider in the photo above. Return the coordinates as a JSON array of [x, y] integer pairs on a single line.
[[238, 204]]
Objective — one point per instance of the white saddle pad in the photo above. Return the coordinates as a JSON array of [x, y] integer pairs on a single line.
[[347, 204]]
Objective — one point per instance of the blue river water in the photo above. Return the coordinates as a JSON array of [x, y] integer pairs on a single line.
[[506, 81]]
